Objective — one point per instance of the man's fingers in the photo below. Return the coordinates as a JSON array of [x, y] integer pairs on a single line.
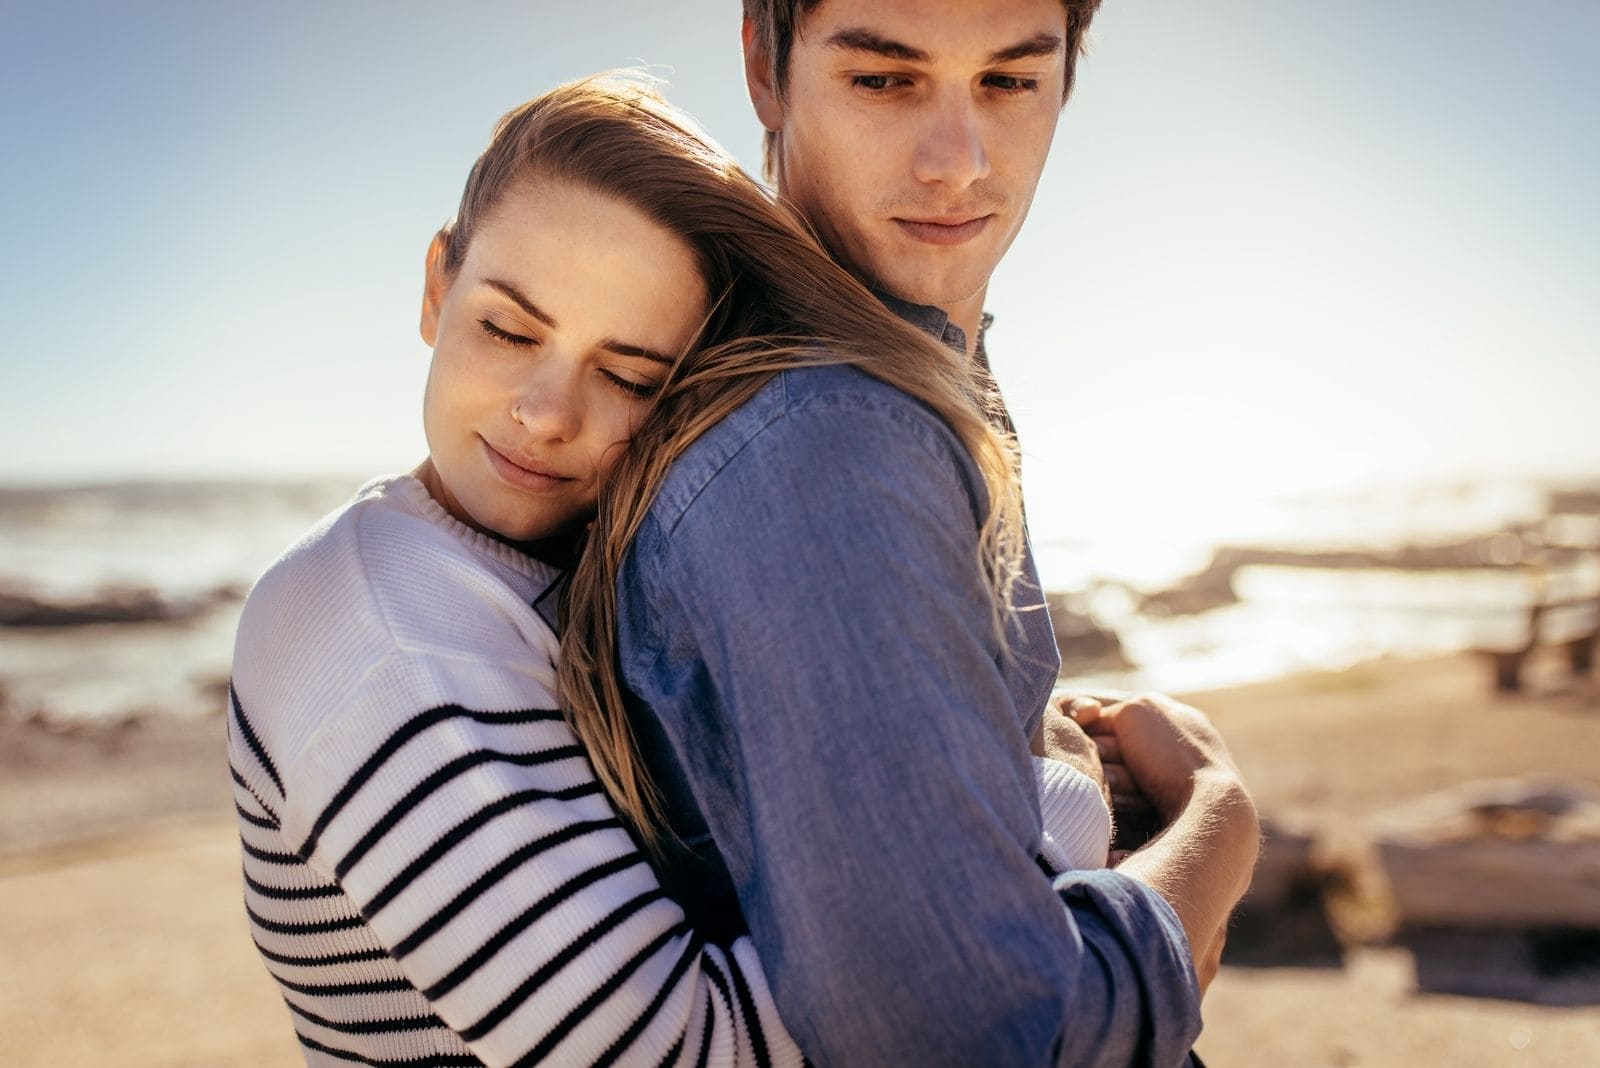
[[1110, 749]]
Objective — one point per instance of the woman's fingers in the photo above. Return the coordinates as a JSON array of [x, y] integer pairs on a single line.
[[1084, 711]]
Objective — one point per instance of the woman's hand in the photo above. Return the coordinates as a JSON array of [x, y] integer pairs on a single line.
[[1061, 737]]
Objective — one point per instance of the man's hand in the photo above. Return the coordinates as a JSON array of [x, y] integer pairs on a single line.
[[1203, 856], [1159, 745], [1061, 737], [1134, 821]]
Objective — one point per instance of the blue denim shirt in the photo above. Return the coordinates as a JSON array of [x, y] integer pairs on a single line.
[[842, 745]]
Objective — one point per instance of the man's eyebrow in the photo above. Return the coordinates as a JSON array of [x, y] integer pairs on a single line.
[[521, 300], [611, 344], [859, 39], [1043, 44]]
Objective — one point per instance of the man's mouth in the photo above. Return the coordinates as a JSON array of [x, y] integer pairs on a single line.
[[944, 229]]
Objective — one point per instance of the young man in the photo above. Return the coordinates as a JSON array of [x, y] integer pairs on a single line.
[[841, 746]]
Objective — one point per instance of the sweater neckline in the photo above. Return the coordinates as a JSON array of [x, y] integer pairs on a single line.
[[411, 489]]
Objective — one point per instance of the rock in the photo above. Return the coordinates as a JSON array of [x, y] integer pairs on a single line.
[[1084, 644], [27, 610], [1518, 853], [1284, 870]]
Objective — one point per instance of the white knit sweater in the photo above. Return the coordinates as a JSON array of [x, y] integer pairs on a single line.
[[432, 873]]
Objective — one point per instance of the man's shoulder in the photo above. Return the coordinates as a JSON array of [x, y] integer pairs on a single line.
[[822, 415]]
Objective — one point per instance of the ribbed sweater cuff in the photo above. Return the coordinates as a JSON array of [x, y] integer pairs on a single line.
[[1077, 823]]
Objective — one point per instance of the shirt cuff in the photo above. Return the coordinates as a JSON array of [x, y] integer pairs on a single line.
[[1077, 823]]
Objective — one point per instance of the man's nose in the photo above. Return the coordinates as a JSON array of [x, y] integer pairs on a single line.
[[951, 150]]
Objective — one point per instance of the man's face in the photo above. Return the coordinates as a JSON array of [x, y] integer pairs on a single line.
[[912, 134]]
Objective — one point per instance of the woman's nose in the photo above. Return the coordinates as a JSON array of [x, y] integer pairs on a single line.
[[547, 405]]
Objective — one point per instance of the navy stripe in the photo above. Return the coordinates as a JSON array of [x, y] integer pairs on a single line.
[[343, 990], [436, 1060], [313, 961], [482, 883], [268, 857], [528, 986], [330, 990], [676, 1051], [342, 923], [647, 1017], [251, 818], [239, 780], [395, 1025], [252, 741], [720, 981], [596, 997], [498, 941], [747, 1005], [291, 893], [459, 766], [705, 1038], [408, 730]]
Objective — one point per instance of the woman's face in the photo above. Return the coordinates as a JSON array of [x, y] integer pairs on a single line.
[[548, 344]]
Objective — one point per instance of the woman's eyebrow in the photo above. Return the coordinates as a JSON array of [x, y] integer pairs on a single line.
[[611, 344], [521, 300]]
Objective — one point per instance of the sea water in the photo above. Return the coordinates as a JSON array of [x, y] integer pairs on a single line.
[[183, 554]]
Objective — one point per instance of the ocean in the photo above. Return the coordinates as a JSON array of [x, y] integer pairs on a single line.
[[120, 599]]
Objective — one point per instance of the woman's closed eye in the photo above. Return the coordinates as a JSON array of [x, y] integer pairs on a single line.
[[632, 387], [506, 336]]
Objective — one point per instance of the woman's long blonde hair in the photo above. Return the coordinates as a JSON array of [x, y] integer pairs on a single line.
[[778, 301]]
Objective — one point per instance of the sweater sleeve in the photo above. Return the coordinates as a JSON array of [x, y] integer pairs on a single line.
[[1077, 822], [482, 853], [433, 873]]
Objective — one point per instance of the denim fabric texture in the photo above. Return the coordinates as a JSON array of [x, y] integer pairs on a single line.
[[842, 744]]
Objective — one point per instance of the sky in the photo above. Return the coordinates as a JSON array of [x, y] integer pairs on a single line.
[[1280, 248]]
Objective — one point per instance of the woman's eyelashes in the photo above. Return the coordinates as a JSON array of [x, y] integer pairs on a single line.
[[504, 335], [629, 386]]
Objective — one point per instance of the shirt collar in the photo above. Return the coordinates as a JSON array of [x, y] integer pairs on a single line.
[[935, 322]]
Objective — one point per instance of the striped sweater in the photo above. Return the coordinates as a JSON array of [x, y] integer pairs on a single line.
[[432, 873]]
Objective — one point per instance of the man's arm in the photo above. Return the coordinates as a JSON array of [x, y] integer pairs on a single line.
[[834, 691], [1168, 759]]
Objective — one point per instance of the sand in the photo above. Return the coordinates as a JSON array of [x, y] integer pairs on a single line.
[[126, 944]]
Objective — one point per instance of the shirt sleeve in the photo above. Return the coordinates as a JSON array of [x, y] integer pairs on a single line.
[[861, 765]]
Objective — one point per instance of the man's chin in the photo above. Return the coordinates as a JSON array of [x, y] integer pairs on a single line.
[[941, 292]]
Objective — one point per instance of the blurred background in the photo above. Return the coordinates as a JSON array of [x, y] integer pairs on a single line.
[[1302, 339]]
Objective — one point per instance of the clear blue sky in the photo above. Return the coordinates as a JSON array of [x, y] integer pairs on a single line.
[[1279, 246]]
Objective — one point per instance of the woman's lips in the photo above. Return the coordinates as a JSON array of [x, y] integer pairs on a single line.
[[529, 478], [944, 231]]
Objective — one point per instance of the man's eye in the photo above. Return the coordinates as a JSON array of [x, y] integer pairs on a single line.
[[503, 335], [876, 83], [1010, 83]]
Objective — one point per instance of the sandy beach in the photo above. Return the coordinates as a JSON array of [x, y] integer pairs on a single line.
[[126, 941]]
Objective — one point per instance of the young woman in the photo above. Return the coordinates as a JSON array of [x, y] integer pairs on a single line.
[[440, 868]]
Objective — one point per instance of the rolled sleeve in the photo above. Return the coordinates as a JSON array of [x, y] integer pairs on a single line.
[[818, 647]]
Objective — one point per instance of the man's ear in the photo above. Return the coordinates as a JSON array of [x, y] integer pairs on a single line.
[[434, 286], [758, 78]]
